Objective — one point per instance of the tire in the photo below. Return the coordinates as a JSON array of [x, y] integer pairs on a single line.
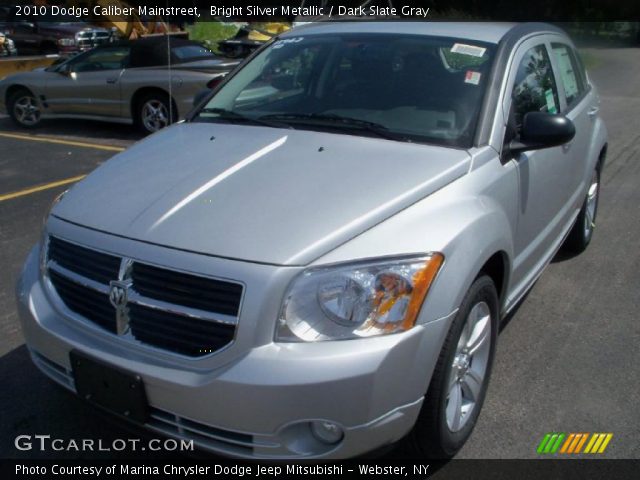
[[153, 111], [582, 232], [24, 108], [442, 429]]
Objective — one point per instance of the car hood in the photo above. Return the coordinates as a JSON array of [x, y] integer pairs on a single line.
[[258, 194]]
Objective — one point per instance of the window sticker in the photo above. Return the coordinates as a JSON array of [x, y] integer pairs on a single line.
[[567, 74], [551, 102], [465, 49], [472, 77], [286, 41]]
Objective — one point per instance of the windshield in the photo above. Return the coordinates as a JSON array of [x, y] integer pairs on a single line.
[[403, 87]]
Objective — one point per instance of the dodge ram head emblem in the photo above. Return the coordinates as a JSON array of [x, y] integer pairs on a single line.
[[118, 297]]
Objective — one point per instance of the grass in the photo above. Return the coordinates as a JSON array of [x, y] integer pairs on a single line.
[[210, 33]]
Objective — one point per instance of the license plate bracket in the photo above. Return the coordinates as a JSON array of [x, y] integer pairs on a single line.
[[109, 387]]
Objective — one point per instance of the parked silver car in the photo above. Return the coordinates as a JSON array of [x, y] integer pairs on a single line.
[[150, 82], [315, 264]]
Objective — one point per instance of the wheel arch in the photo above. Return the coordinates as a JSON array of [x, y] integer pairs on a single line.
[[12, 89], [497, 268], [602, 156], [482, 245]]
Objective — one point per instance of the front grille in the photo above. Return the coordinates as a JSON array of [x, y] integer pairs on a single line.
[[84, 301], [180, 334], [90, 39], [88, 263], [188, 290], [170, 310], [205, 436]]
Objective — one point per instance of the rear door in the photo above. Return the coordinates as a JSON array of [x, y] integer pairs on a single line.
[[91, 85]]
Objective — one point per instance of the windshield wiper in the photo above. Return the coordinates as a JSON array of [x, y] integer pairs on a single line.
[[333, 120], [230, 115]]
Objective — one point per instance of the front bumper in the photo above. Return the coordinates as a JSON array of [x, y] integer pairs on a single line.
[[257, 404]]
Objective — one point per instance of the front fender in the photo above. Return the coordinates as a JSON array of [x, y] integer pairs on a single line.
[[34, 81], [468, 230]]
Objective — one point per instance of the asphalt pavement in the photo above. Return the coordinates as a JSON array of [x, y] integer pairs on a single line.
[[568, 360]]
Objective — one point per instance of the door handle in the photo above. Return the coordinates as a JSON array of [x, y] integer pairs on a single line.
[[593, 111], [112, 80]]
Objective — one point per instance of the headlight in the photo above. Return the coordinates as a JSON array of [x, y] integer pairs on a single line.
[[53, 204], [66, 42], [356, 300], [44, 235]]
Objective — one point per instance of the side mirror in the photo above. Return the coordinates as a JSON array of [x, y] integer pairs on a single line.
[[64, 70], [543, 130]]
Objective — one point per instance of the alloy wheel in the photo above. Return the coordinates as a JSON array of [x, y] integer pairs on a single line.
[[469, 367], [26, 110], [592, 205], [155, 115]]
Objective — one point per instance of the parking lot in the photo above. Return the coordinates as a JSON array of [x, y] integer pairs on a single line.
[[567, 359]]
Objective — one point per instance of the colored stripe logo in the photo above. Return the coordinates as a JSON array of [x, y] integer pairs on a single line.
[[573, 443]]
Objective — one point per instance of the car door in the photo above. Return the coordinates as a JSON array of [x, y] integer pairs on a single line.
[[544, 176], [89, 84], [581, 106]]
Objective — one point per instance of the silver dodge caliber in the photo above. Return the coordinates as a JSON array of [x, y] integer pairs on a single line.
[[315, 263]]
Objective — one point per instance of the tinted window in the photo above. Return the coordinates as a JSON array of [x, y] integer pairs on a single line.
[[535, 87], [417, 88], [101, 59], [570, 72], [191, 51]]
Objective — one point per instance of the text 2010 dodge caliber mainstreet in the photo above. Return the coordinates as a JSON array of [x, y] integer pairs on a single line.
[[315, 263]]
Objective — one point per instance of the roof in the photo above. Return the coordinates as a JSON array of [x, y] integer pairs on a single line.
[[489, 32], [152, 51]]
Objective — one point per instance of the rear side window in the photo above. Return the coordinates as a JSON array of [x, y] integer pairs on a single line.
[[571, 74], [535, 87], [186, 52]]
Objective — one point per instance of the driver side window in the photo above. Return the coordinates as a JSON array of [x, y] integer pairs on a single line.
[[102, 59], [535, 88]]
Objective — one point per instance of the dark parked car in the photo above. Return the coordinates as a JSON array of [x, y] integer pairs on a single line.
[[48, 34]]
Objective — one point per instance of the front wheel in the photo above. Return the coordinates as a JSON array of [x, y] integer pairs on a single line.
[[582, 231], [459, 382], [24, 109]]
